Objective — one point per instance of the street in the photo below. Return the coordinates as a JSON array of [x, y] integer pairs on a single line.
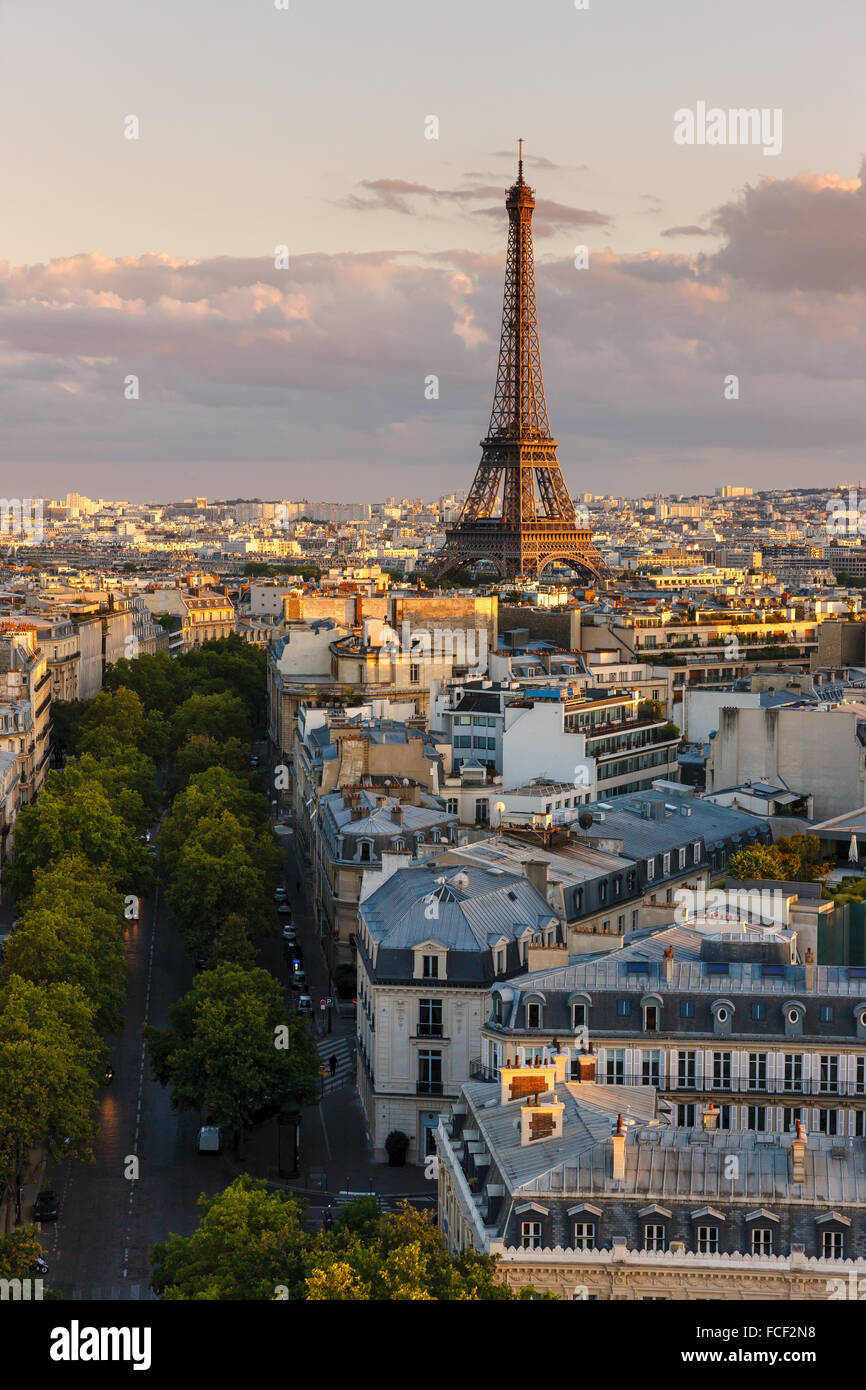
[[112, 1212]]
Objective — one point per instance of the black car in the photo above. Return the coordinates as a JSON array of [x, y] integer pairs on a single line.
[[46, 1206]]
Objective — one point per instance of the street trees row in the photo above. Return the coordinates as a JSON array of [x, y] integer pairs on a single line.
[[251, 1245]]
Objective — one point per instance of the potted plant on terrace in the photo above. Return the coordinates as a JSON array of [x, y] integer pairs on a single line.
[[396, 1147]]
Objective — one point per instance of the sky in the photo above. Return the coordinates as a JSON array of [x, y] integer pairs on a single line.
[[306, 127]]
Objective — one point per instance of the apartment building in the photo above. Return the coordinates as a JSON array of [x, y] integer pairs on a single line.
[[722, 1017], [431, 940], [25, 701], [588, 1192]]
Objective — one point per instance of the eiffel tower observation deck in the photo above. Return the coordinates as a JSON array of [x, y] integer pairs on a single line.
[[519, 515]]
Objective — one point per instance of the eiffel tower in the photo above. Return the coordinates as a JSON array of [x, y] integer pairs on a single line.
[[519, 514]]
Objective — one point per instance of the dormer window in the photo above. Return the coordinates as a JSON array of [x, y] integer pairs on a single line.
[[365, 851], [430, 967], [533, 1015], [650, 868]]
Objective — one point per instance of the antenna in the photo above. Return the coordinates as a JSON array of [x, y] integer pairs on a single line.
[[520, 159]]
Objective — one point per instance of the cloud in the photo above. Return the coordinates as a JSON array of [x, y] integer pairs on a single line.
[[691, 230], [804, 233], [317, 372]]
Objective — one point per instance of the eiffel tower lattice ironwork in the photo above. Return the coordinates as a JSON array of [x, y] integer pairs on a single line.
[[519, 514]]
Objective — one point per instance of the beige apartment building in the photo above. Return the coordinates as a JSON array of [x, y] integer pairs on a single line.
[[25, 697]]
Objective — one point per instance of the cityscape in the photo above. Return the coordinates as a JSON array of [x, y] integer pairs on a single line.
[[450, 897]]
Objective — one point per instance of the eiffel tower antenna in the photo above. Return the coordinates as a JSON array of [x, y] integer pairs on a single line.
[[519, 514]]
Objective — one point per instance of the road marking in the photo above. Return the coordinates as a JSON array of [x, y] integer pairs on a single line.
[[325, 1132]]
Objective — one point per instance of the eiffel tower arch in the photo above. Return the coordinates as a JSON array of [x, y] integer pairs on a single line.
[[519, 514]]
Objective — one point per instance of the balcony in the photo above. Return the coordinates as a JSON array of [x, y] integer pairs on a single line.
[[429, 1088]]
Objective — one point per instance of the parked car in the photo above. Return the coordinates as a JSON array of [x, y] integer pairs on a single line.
[[285, 909], [305, 1004], [289, 933], [46, 1206], [210, 1139], [299, 978], [280, 894]]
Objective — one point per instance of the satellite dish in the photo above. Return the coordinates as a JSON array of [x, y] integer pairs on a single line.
[[584, 820]]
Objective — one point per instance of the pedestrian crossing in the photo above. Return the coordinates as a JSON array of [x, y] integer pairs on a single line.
[[343, 1049]]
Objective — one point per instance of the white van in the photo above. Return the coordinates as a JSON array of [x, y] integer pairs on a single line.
[[210, 1140]]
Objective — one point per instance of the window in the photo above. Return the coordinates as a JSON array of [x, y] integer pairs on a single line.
[[651, 1018], [482, 811], [686, 1068], [792, 1076], [666, 864], [832, 1245], [578, 1016], [682, 859], [414, 673], [756, 1118], [651, 1068], [726, 1116], [584, 1235], [859, 1075], [722, 1071], [602, 891], [430, 967], [430, 1073], [453, 806], [530, 1235], [762, 1240], [828, 1122], [462, 741], [430, 1018], [829, 1074], [654, 1237], [687, 1009], [615, 1066], [650, 868], [623, 1007], [696, 852], [365, 852], [686, 1116], [826, 1013], [757, 1071], [533, 1015], [790, 1115], [860, 1123], [708, 1240], [759, 1011]]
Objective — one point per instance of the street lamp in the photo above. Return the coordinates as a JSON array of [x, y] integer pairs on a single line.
[[499, 807]]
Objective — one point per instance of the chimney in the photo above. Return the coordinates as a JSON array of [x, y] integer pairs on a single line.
[[397, 814], [711, 1117], [668, 965], [617, 1140], [538, 873], [798, 1154], [810, 969], [585, 1066]]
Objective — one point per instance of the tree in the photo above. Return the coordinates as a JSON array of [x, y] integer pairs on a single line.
[[119, 717], [221, 716], [80, 822], [71, 929], [231, 1051], [19, 1251], [201, 751], [223, 868], [49, 1058], [251, 1244], [792, 859]]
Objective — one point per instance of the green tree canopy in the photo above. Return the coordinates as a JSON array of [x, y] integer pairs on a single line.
[[792, 859], [49, 1057], [251, 1245], [221, 1054], [220, 716]]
